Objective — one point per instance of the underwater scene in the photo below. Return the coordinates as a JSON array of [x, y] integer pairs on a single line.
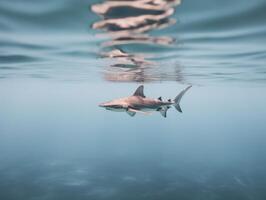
[[132, 100]]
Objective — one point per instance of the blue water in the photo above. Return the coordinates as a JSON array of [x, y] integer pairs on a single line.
[[56, 67]]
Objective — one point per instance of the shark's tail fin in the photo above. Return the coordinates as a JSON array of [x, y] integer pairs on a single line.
[[179, 97]]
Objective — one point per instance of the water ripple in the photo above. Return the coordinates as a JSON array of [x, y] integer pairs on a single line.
[[129, 23], [140, 40]]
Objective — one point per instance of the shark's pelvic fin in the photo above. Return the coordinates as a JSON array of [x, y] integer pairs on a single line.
[[131, 113], [178, 98], [139, 91], [163, 110]]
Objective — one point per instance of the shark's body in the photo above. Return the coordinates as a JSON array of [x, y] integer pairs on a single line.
[[138, 103]]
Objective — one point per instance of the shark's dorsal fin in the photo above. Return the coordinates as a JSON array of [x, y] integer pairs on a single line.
[[139, 91], [160, 98]]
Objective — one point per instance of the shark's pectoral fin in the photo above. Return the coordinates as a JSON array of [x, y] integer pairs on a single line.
[[139, 91], [131, 113], [137, 111]]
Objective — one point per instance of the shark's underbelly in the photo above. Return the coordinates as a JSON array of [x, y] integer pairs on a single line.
[[116, 109], [147, 107]]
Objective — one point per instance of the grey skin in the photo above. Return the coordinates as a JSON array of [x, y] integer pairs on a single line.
[[138, 103]]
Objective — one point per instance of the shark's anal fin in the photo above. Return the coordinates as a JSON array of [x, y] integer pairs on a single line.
[[139, 91], [131, 113]]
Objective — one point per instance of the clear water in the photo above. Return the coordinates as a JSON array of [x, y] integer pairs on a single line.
[[55, 68]]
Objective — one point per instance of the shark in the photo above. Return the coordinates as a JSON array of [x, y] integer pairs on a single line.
[[139, 103]]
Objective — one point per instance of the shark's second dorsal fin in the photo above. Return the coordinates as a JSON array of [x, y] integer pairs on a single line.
[[139, 91]]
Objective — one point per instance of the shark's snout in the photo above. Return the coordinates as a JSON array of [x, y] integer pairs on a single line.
[[102, 105], [111, 105], [106, 104]]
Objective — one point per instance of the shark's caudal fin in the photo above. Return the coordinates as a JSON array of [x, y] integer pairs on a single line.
[[139, 91], [179, 97]]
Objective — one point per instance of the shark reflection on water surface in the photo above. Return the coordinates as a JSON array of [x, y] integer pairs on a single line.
[[128, 23], [139, 103]]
